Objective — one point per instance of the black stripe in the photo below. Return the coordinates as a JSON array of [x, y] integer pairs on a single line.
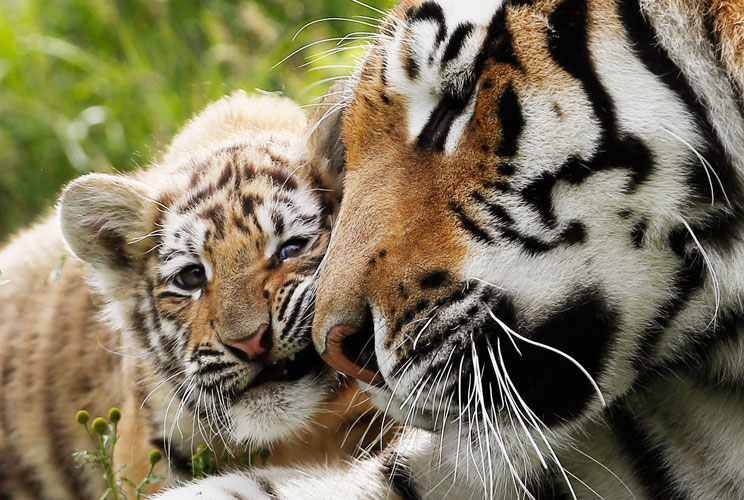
[[236, 495], [456, 41], [498, 45], [194, 199], [214, 367], [223, 384], [280, 178], [208, 350], [412, 68], [434, 134], [226, 175], [267, 488], [429, 11], [499, 213], [297, 311], [549, 487], [537, 194], [278, 220], [383, 76], [432, 341], [530, 244], [573, 233], [287, 298], [689, 277], [568, 45], [398, 471], [249, 202], [172, 295], [216, 215], [435, 279], [638, 233], [511, 120], [646, 457], [471, 226], [658, 62]]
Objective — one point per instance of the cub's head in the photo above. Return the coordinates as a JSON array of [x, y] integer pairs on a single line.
[[209, 260], [534, 194]]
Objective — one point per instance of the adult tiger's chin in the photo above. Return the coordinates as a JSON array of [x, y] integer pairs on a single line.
[[277, 410]]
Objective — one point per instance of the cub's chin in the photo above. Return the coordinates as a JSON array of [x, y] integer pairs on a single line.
[[282, 400]]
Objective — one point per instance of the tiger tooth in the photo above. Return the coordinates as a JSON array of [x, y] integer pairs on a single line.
[[291, 357]]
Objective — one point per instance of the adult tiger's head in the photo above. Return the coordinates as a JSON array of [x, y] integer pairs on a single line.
[[209, 260], [540, 196]]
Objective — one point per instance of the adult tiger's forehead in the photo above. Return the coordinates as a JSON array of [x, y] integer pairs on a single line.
[[456, 85]]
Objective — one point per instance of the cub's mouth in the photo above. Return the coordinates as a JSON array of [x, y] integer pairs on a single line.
[[289, 369]]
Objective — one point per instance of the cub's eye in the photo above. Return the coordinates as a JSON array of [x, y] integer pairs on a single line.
[[191, 277], [291, 248]]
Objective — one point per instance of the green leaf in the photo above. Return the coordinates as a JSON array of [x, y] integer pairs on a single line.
[[131, 483], [84, 457], [154, 478]]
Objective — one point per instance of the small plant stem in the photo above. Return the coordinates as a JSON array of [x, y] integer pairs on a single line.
[[108, 467], [90, 434], [145, 482]]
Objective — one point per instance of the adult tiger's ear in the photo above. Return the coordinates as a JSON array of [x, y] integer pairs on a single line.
[[104, 219], [326, 142]]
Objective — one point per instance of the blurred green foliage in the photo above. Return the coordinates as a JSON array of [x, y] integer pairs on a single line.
[[101, 85]]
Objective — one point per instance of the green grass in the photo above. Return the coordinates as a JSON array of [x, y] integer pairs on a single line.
[[101, 85]]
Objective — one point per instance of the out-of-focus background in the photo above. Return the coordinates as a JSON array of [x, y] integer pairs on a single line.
[[101, 85]]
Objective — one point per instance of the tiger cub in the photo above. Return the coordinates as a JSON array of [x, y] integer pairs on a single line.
[[183, 294]]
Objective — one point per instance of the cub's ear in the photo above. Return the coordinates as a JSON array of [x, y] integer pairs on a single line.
[[326, 141], [101, 216]]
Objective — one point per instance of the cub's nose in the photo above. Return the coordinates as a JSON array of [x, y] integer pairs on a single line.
[[351, 350], [255, 345]]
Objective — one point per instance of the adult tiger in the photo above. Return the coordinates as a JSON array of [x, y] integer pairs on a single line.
[[541, 238], [197, 322]]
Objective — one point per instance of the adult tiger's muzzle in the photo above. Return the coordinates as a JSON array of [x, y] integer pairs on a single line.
[[351, 350]]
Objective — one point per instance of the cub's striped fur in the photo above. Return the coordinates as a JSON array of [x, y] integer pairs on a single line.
[[195, 316], [541, 245]]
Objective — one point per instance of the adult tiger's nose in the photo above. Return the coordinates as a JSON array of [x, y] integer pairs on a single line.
[[256, 345], [351, 350]]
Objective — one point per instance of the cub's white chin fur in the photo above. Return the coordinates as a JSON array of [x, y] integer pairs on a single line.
[[276, 410]]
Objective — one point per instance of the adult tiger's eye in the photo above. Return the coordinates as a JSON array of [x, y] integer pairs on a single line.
[[191, 277], [291, 249]]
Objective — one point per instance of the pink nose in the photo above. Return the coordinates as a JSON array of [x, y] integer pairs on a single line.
[[256, 345]]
